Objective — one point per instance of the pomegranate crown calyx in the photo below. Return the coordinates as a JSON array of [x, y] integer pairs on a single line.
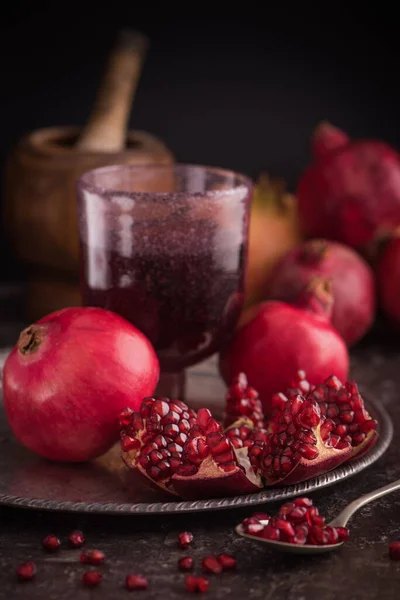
[[313, 252], [328, 138], [31, 338], [317, 298]]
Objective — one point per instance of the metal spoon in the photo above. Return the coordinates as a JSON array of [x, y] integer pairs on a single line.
[[340, 521]]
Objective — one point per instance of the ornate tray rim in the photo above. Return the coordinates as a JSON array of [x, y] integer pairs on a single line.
[[267, 495]]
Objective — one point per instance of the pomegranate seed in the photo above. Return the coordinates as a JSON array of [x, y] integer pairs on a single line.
[[76, 539], [394, 550], [136, 582], [196, 584], [51, 543], [186, 563], [125, 416], [270, 533], [227, 561], [92, 557], [307, 502], [254, 528], [92, 578], [26, 571], [298, 513], [260, 516], [185, 538], [343, 533], [211, 564]]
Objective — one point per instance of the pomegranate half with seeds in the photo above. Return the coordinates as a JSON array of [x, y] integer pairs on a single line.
[[152, 439], [346, 416], [69, 376], [300, 444], [211, 466]]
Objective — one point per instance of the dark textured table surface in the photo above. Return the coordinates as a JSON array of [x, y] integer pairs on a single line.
[[361, 570]]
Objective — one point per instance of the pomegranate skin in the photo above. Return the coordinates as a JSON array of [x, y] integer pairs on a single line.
[[351, 193], [281, 339], [353, 283], [68, 378], [388, 277]]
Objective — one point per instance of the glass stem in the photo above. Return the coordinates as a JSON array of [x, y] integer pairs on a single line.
[[172, 385]]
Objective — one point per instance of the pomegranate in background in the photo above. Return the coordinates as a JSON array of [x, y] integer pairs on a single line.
[[68, 377], [280, 339], [353, 284], [273, 230], [351, 193], [388, 277]]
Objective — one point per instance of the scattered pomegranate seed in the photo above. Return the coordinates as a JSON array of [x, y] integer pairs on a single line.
[[196, 584], [51, 543], [92, 557], [26, 571], [76, 539], [136, 582], [297, 522], [211, 564], [394, 550], [186, 563], [227, 562], [92, 578], [185, 538]]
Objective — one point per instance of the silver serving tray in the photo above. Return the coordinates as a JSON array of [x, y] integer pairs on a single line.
[[107, 486]]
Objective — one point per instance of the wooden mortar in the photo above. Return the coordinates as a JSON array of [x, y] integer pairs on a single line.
[[41, 172]]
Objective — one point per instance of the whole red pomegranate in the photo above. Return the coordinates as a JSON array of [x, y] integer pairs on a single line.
[[351, 193], [69, 376], [280, 339], [388, 277], [353, 283]]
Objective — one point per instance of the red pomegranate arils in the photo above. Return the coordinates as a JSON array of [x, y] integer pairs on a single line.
[[243, 401], [298, 446], [185, 538], [92, 578], [297, 522], [227, 561], [186, 563], [136, 582], [211, 464], [211, 564], [51, 543], [347, 419], [26, 571], [152, 440], [92, 557], [196, 584], [394, 550], [76, 539]]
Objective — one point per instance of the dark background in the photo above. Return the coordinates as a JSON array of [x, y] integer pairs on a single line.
[[242, 90]]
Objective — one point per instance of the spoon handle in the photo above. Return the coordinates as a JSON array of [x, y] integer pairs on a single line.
[[343, 517]]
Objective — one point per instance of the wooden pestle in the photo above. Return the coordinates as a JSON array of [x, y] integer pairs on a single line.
[[107, 126]]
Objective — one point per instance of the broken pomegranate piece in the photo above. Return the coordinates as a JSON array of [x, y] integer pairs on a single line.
[[152, 440], [300, 445], [243, 434], [211, 465], [343, 407], [243, 401], [297, 522]]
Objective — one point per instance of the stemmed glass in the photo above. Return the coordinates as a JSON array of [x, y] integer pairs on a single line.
[[165, 247]]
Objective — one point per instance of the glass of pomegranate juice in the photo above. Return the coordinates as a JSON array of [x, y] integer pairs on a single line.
[[165, 247]]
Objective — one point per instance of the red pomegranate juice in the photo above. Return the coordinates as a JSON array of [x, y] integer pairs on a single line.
[[177, 274]]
